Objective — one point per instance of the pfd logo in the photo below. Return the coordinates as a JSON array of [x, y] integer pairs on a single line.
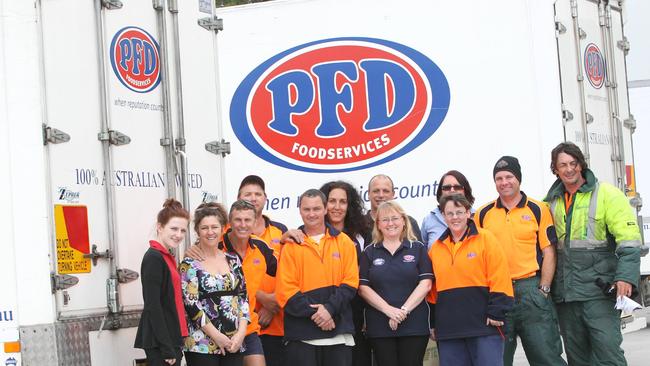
[[339, 104], [594, 66], [135, 59]]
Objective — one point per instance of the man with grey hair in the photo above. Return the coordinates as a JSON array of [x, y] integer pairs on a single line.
[[316, 281]]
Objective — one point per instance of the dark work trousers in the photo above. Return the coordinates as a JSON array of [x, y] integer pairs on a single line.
[[204, 359], [155, 358], [399, 351], [361, 354], [274, 350], [534, 320], [474, 351], [592, 332], [303, 354]]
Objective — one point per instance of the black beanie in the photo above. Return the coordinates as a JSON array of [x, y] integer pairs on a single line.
[[508, 163]]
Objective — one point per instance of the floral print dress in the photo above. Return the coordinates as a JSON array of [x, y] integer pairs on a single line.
[[215, 298]]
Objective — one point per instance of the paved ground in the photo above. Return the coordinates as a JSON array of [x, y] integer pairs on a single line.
[[635, 344]]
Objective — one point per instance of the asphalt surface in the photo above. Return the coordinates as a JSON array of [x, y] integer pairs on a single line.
[[635, 344]]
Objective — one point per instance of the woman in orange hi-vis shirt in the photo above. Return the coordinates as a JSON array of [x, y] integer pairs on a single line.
[[473, 289]]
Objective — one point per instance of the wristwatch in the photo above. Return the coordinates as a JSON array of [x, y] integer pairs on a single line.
[[545, 289], [403, 307]]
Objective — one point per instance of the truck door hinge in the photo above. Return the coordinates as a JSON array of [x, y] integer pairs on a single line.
[[630, 123], [112, 4], [211, 23], [218, 147], [62, 281], [559, 28], [94, 255], [116, 138], [567, 115], [582, 33], [125, 275], [53, 136], [624, 45]]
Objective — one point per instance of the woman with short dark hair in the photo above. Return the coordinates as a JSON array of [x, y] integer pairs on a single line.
[[473, 290]]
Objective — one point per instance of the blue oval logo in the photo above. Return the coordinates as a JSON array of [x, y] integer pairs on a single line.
[[339, 104], [135, 59], [595, 67]]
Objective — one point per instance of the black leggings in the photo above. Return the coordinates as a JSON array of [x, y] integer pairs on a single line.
[[203, 359], [155, 358], [399, 351]]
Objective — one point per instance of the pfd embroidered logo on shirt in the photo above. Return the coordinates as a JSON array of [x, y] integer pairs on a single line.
[[408, 258], [336, 255], [526, 217], [379, 262], [471, 255], [256, 261]]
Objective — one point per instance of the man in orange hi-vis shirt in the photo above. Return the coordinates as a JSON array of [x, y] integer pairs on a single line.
[[316, 281]]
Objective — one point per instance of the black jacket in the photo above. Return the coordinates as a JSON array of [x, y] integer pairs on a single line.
[[159, 327]]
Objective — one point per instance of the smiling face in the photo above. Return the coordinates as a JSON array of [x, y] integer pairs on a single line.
[[242, 222], [456, 217], [507, 184], [391, 224], [337, 206], [312, 212], [380, 190], [209, 231], [450, 185], [569, 171], [173, 232]]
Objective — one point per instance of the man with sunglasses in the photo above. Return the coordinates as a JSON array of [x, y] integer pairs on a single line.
[[258, 261], [524, 227]]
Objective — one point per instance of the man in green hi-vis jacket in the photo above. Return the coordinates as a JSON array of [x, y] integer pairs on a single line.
[[598, 238]]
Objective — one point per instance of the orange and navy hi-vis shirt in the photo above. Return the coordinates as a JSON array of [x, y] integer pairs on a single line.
[[271, 235], [523, 232], [256, 263], [472, 284], [312, 273]]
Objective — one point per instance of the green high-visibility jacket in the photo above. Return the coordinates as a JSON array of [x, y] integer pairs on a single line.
[[598, 237]]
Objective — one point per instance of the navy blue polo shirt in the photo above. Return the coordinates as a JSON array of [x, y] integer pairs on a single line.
[[394, 277]]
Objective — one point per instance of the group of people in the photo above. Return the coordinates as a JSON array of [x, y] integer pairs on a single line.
[[350, 286]]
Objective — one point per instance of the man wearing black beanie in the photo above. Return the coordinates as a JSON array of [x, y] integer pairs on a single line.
[[524, 227]]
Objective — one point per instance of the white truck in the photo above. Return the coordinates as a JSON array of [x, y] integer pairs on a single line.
[[107, 107], [639, 91]]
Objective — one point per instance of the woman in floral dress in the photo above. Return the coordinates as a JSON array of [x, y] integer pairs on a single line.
[[215, 296]]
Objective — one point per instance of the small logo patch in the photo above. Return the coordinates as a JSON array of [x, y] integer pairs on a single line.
[[526, 217], [471, 255], [408, 258], [379, 262], [336, 255], [256, 261], [595, 66]]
